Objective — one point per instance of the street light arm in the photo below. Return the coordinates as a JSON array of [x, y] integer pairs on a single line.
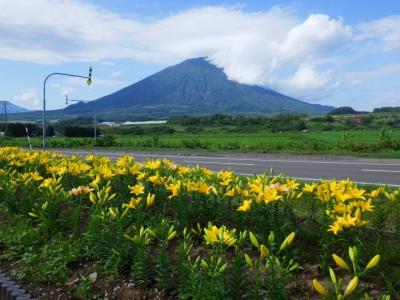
[[64, 74], [44, 98]]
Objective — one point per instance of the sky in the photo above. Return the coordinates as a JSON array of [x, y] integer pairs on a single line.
[[334, 52]]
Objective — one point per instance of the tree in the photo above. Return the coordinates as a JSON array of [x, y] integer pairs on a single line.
[[344, 110], [50, 131]]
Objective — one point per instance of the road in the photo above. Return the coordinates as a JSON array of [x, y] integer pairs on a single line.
[[304, 167]]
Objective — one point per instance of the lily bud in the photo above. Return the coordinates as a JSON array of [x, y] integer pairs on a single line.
[[264, 251], [340, 262], [319, 288], [288, 241], [248, 260], [351, 286], [254, 240], [373, 262], [333, 275]]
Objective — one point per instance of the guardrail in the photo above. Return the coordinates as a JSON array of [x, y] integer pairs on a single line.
[[9, 290]]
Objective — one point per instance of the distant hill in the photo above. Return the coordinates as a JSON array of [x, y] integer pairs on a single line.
[[193, 87], [387, 109], [11, 108], [196, 87], [346, 110]]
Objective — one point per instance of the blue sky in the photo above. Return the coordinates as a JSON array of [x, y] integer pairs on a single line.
[[332, 52]]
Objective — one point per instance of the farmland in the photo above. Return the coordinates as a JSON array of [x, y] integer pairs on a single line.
[[373, 134], [96, 228], [359, 143]]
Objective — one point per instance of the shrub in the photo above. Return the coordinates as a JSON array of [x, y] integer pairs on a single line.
[[80, 131], [106, 141], [19, 129]]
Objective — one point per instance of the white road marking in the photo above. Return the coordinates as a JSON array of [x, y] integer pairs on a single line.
[[245, 174], [316, 179], [216, 163], [231, 158], [358, 182], [381, 171]]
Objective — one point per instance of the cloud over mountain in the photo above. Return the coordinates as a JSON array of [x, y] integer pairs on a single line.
[[272, 48]]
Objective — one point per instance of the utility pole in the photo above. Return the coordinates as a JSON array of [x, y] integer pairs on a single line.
[[89, 82], [4, 111], [94, 114], [5, 115]]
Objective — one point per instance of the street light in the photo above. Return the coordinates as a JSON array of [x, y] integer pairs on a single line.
[[89, 82], [94, 114]]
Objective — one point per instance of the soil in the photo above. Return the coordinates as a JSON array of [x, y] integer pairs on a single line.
[[123, 288]]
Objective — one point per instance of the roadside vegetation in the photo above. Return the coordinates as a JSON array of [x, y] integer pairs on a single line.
[[373, 134], [93, 228]]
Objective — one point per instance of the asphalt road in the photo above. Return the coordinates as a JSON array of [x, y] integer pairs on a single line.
[[304, 167]]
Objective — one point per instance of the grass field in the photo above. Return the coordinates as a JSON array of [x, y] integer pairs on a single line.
[[357, 142], [330, 138]]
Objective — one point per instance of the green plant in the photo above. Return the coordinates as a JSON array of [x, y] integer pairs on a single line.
[[213, 277], [339, 292], [50, 262], [141, 261], [83, 290], [272, 269], [163, 266], [184, 265], [106, 141]]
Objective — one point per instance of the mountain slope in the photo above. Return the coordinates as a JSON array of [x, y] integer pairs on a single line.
[[11, 108], [195, 87]]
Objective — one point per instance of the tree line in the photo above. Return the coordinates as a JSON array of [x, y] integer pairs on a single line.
[[22, 130]]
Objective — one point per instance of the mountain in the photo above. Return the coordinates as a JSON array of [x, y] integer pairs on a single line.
[[195, 86], [11, 108]]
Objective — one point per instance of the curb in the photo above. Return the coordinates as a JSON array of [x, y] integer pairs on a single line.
[[9, 290]]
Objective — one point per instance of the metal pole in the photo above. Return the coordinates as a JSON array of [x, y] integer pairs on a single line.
[[1, 115], [27, 134], [5, 116], [95, 123], [44, 114]]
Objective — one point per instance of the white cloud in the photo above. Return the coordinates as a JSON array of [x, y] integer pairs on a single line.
[[371, 75], [316, 35], [66, 90], [308, 78], [28, 97], [117, 73], [52, 31], [62, 89], [381, 34], [107, 64], [248, 46]]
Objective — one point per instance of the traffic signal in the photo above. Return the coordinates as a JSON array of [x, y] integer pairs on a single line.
[[89, 81]]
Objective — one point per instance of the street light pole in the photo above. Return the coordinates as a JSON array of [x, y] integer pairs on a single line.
[[95, 124], [94, 114], [89, 82]]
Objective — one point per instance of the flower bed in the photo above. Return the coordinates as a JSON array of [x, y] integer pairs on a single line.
[[156, 229]]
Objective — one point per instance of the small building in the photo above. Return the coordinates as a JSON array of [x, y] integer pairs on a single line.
[[357, 120]]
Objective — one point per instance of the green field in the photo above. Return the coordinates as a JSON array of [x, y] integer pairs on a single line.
[[369, 134], [357, 142]]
